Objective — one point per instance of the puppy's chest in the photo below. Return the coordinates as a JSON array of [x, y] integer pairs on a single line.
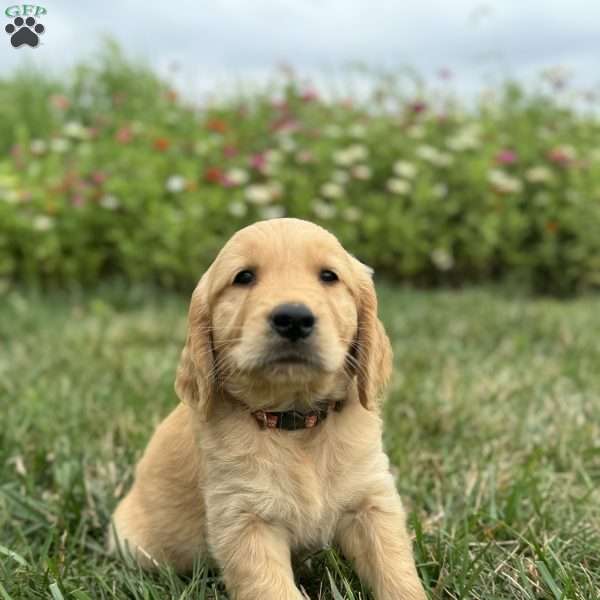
[[307, 490]]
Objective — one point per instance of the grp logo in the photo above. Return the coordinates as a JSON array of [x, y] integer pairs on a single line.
[[25, 30]]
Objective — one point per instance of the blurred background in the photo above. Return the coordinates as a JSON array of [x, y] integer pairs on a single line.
[[442, 146], [454, 147]]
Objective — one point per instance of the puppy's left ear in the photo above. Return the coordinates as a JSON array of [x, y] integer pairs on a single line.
[[372, 350]]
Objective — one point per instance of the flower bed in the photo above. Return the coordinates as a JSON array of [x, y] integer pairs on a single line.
[[111, 173]]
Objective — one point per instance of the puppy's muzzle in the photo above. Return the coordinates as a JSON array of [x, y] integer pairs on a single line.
[[292, 321]]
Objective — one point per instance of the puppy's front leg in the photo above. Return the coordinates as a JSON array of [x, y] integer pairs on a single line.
[[374, 537], [254, 557]]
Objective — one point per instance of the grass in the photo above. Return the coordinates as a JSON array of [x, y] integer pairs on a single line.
[[493, 427]]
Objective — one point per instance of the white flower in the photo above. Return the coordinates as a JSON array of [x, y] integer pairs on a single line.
[[504, 183], [358, 152], [351, 214], [357, 130], [361, 172], [340, 177], [175, 184], [332, 190], [416, 132], [272, 212], [272, 160], [260, 194], [440, 190], [109, 202], [428, 153], [405, 169], [237, 209], [444, 159], [398, 186], [434, 156], [465, 139], [75, 130], [9, 196], [43, 223], [60, 145], [323, 210], [202, 147], [38, 146], [237, 176], [287, 144], [442, 259], [540, 174], [351, 155]]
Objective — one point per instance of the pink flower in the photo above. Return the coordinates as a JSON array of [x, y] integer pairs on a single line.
[[445, 73], [309, 95], [562, 155], [98, 177], [77, 200], [280, 104], [258, 161], [124, 135], [506, 157], [230, 151], [285, 124]]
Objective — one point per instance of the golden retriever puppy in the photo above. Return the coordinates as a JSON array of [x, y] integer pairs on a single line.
[[276, 446]]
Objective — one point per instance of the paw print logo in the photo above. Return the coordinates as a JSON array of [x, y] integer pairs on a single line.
[[24, 31]]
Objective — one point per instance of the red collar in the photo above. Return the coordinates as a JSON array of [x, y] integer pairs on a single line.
[[291, 420]]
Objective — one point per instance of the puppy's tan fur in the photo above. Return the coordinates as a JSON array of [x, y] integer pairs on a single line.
[[213, 483]]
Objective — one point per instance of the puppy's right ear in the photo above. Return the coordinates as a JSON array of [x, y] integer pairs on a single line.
[[195, 382]]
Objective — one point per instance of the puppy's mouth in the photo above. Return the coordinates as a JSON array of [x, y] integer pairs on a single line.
[[294, 358]]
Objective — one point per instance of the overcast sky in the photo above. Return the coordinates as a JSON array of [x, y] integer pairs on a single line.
[[214, 41]]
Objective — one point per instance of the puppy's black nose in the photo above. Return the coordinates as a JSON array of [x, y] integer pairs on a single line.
[[292, 321]]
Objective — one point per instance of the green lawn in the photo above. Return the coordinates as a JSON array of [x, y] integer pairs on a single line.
[[493, 425]]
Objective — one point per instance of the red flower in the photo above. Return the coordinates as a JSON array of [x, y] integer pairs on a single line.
[[551, 226], [60, 102], [418, 106], [560, 156], [506, 157], [217, 125], [213, 175], [230, 151], [161, 144]]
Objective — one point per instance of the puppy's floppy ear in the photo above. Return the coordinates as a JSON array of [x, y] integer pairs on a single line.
[[371, 349], [195, 382]]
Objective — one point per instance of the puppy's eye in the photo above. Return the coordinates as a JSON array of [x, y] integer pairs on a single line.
[[328, 276], [245, 277]]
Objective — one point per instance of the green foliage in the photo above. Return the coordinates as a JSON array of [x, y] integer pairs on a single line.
[[492, 427], [111, 173]]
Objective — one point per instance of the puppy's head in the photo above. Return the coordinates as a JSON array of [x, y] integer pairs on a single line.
[[284, 316]]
